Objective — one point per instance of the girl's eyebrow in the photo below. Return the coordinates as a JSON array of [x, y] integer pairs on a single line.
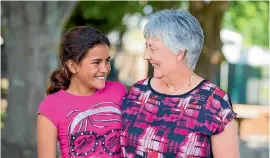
[[99, 59]]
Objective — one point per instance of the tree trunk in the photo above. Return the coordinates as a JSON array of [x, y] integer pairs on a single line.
[[210, 16], [31, 31]]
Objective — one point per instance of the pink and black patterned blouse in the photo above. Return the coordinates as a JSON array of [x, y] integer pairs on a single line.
[[157, 125]]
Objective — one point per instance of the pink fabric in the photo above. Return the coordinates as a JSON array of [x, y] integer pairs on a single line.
[[88, 126], [157, 125]]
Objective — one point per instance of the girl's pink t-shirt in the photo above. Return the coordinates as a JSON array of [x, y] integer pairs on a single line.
[[88, 126]]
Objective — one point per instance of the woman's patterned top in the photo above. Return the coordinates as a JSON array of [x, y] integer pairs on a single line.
[[158, 125]]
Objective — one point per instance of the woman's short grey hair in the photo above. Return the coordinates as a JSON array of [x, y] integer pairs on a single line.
[[177, 29]]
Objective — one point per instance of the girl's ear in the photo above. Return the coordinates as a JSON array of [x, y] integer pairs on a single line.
[[72, 66]]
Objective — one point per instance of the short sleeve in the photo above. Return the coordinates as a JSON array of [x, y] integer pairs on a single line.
[[123, 89], [225, 112], [47, 109], [120, 88]]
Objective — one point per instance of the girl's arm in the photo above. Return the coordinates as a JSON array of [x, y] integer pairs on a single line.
[[46, 137]]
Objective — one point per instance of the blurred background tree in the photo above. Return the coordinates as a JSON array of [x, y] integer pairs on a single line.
[[31, 31], [104, 15], [250, 19]]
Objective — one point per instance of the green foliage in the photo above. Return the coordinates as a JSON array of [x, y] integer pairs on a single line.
[[159, 5], [251, 20], [3, 117], [103, 15], [108, 15]]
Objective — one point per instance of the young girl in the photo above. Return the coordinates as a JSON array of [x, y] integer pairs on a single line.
[[81, 109]]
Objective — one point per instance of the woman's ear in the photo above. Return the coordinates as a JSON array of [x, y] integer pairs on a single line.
[[180, 55], [71, 66]]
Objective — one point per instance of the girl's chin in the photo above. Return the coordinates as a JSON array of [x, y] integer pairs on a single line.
[[99, 84]]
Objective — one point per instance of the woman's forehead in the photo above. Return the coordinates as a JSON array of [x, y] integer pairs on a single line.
[[153, 42]]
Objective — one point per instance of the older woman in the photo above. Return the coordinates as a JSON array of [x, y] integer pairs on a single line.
[[177, 113]]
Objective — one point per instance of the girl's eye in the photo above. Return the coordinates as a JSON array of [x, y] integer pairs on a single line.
[[96, 63]]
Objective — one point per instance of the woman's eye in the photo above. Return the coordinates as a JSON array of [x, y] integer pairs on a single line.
[[96, 63]]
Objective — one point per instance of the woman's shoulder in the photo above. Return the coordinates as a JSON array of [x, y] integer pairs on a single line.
[[218, 98], [141, 82], [212, 88], [220, 106]]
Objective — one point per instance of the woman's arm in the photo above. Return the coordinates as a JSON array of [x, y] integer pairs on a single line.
[[225, 144], [46, 137]]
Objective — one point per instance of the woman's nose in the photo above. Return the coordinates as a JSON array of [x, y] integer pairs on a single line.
[[146, 55]]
